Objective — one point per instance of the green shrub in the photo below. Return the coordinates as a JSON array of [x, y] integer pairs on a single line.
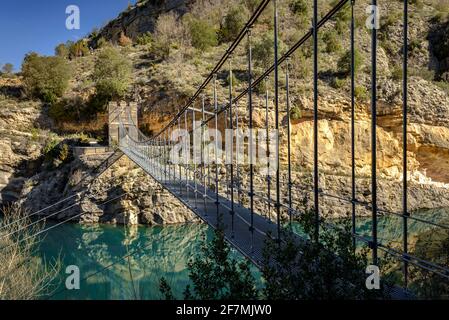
[[7, 68], [145, 39], [78, 49], [338, 83], [414, 45], [332, 41], [263, 51], [68, 109], [295, 113], [344, 63], [344, 14], [102, 42], [299, 7], [361, 93], [46, 78], [112, 76], [51, 150], [233, 23], [62, 50], [396, 73], [203, 35], [422, 72], [64, 152]]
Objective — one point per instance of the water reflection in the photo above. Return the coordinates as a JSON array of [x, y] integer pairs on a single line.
[[98, 251]]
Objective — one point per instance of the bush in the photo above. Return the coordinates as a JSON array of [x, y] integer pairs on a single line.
[[295, 113], [233, 23], [78, 49], [168, 32], [215, 275], [332, 42], [145, 39], [62, 51], [7, 68], [396, 74], [344, 63], [203, 35], [299, 7], [361, 93], [112, 76], [263, 52], [338, 83], [46, 78]]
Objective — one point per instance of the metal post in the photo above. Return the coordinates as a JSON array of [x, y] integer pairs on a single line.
[[217, 202], [353, 182], [315, 120], [187, 161], [203, 117], [373, 137], [267, 124], [251, 143], [404, 140], [164, 158], [232, 212], [180, 159], [287, 85], [276, 95], [194, 157], [237, 157]]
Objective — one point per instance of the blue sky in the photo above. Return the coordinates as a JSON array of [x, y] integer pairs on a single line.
[[39, 25]]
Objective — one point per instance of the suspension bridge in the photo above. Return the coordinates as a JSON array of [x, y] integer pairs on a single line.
[[227, 194], [223, 194]]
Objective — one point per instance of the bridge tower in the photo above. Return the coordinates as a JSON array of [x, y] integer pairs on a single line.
[[127, 113]]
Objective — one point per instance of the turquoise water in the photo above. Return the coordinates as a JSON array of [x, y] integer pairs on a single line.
[[156, 252]]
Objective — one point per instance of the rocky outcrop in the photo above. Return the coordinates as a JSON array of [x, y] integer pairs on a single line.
[[124, 194], [141, 18], [20, 146]]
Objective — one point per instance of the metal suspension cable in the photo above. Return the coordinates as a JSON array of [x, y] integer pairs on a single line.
[[281, 60], [60, 223], [60, 201], [44, 218], [220, 63], [40, 211]]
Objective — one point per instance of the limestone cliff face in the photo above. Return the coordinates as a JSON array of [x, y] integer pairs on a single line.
[[124, 194], [20, 146], [141, 18], [146, 201]]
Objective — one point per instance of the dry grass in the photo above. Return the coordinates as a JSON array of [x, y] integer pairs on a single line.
[[23, 274]]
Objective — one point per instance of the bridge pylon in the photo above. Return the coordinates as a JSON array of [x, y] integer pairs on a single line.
[[126, 112]]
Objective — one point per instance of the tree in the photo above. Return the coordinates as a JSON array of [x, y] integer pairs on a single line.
[[233, 23], [62, 50], [7, 68], [330, 269], [344, 63], [78, 49], [168, 31], [203, 34], [263, 51], [217, 276], [46, 78], [112, 76]]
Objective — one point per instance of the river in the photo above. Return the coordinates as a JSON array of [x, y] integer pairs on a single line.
[[155, 252]]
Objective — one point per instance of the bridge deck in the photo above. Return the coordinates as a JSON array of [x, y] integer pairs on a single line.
[[238, 234]]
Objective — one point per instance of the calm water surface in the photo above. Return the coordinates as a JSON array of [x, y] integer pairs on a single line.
[[156, 252]]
